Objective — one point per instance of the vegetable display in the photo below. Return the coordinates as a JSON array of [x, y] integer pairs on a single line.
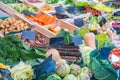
[[39, 41], [59, 40], [62, 69], [53, 77], [42, 19], [12, 25], [19, 7], [10, 1], [70, 77], [15, 50], [47, 7], [22, 71]]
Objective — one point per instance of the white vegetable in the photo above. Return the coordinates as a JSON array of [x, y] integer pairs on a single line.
[[22, 71]]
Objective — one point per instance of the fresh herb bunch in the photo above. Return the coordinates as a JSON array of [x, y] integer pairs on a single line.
[[12, 50]]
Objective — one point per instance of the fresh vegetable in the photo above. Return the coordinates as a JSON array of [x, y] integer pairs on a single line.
[[111, 17], [75, 69], [81, 4], [47, 7], [15, 50], [52, 1], [67, 36], [56, 30], [55, 55], [83, 31], [39, 41], [53, 77], [22, 71], [19, 7], [70, 77], [42, 18], [12, 25], [101, 69], [89, 39], [85, 52], [62, 69], [10, 1], [93, 20], [103, 41], [102, 7]]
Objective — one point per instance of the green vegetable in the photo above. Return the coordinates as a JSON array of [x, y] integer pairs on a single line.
[[9, 1], [70, 77], [52, 1], [12, 50], [93, 20], [85, 52], [22, 71], [102, 40], [53, 77], [66, 35], [102, 69], [75, 69], [62, 69], [83, 31], [81, 4], [19, 7], [85, 74], [65, 2]]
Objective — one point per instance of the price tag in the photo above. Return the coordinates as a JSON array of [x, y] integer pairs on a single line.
[[47, 66], [56, 41], [79, 22], [28, 35], [60, 9], [73, 10], [77, 40]]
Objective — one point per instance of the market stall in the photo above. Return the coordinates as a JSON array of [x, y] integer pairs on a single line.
[[59, 40]]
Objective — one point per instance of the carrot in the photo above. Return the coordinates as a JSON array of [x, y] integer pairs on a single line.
[[52, 29]]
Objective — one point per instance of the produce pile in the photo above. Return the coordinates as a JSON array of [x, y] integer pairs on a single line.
[[19, 7], [38, 42], [12, 25], [84, 43]]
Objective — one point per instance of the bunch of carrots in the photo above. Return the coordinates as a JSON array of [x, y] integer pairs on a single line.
[[42, 19]]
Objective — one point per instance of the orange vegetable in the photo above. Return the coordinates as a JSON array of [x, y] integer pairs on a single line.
[[52, 29], [42, 19]]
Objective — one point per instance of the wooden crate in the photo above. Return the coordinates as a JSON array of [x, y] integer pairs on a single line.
[[7, 9], [10, 10], [37, 5]]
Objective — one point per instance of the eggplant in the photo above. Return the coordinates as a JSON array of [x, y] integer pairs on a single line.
[[5, 74]]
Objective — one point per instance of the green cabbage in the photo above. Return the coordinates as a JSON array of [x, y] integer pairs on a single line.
[[85, 52], [85, 74], [70, 77], [62, 69], [22, 72], [75, 69], [53, 77]]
